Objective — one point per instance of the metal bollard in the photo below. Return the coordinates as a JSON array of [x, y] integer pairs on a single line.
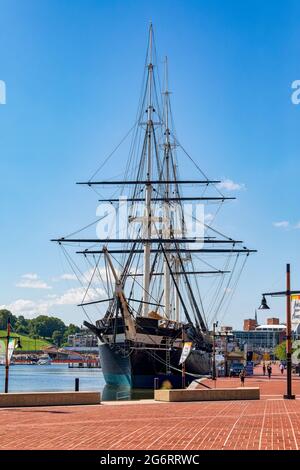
[[76, 385], [156, 383]]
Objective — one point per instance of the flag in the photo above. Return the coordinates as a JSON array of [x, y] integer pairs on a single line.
[[2, 351], [2, 346], [187, 347], [295, 311], [11, 347]]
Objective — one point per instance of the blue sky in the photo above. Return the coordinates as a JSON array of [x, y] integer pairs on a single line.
[[73, 72]]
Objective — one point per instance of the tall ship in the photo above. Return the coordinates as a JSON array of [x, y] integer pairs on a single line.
[[158, 274]]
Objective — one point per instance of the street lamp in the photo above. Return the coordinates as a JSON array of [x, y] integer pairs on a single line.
[[226, 354], [214, 375], [7, 358], [264, 306]]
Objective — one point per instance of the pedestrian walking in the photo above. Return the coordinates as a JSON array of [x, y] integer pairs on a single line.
[[281, 367], [242, 377], [269, 369], [264, 368]]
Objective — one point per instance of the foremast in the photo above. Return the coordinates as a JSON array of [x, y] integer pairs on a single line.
[[148, 188]]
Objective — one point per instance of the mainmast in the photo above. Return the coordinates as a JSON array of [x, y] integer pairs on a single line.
[[167, 221], [148, 191]]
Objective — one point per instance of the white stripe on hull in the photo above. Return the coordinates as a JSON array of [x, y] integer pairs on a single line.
[[141, 338]]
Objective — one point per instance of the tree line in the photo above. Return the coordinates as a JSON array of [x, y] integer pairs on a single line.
[[52, 329]]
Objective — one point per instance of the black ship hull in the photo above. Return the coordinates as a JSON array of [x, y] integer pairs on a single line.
[[149, 368]]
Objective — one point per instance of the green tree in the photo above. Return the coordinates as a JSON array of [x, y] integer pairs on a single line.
[[57, 337], [22, 325], [71, 330], [22, 330], [280, 351], [4, 314], [45, 326]]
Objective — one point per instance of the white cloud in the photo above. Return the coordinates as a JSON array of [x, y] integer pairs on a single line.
[[28, 308], [208, 218], [31, 276], [229, 185], [75, 295], [72, 296], [281, 224], [227, 290], [39, 284], [285, 224], [68, 276], [32, 308], [82, 277], [65, 277], [32, 281]]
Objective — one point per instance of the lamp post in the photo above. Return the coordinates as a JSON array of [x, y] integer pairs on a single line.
[[7, 358], [183, 364], [214, 375], [226, 352], [264, 306]]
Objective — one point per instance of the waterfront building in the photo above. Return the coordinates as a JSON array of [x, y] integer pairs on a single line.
[[250, 324], [263, 338], [83, 339]]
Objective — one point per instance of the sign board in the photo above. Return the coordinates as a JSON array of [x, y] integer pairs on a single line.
[[295, 311], [2, 346], [2, 351], [11, 347], [296, 352], [249, 367], [187, 347]]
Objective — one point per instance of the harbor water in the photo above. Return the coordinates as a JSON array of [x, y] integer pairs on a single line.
[[51, 378], [59, 378]]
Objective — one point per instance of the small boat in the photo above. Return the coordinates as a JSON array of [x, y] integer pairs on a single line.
[[44, 360]]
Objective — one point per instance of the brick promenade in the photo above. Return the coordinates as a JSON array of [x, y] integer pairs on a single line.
[[271, 423]]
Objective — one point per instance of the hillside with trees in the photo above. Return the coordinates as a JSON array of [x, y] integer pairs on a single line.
[[41, 328]]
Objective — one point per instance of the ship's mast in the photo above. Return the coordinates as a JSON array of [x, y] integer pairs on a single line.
[[167, 222], [160, 182], [176, 261], [148, 191]]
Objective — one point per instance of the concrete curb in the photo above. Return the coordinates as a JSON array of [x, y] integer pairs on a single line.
[[49, 399]]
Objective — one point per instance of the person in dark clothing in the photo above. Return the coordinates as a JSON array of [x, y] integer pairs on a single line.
[[264, 368], [269, 369], [242, 377]]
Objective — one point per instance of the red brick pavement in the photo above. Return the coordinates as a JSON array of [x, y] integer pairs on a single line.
[[271, 423], [276, 386]]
